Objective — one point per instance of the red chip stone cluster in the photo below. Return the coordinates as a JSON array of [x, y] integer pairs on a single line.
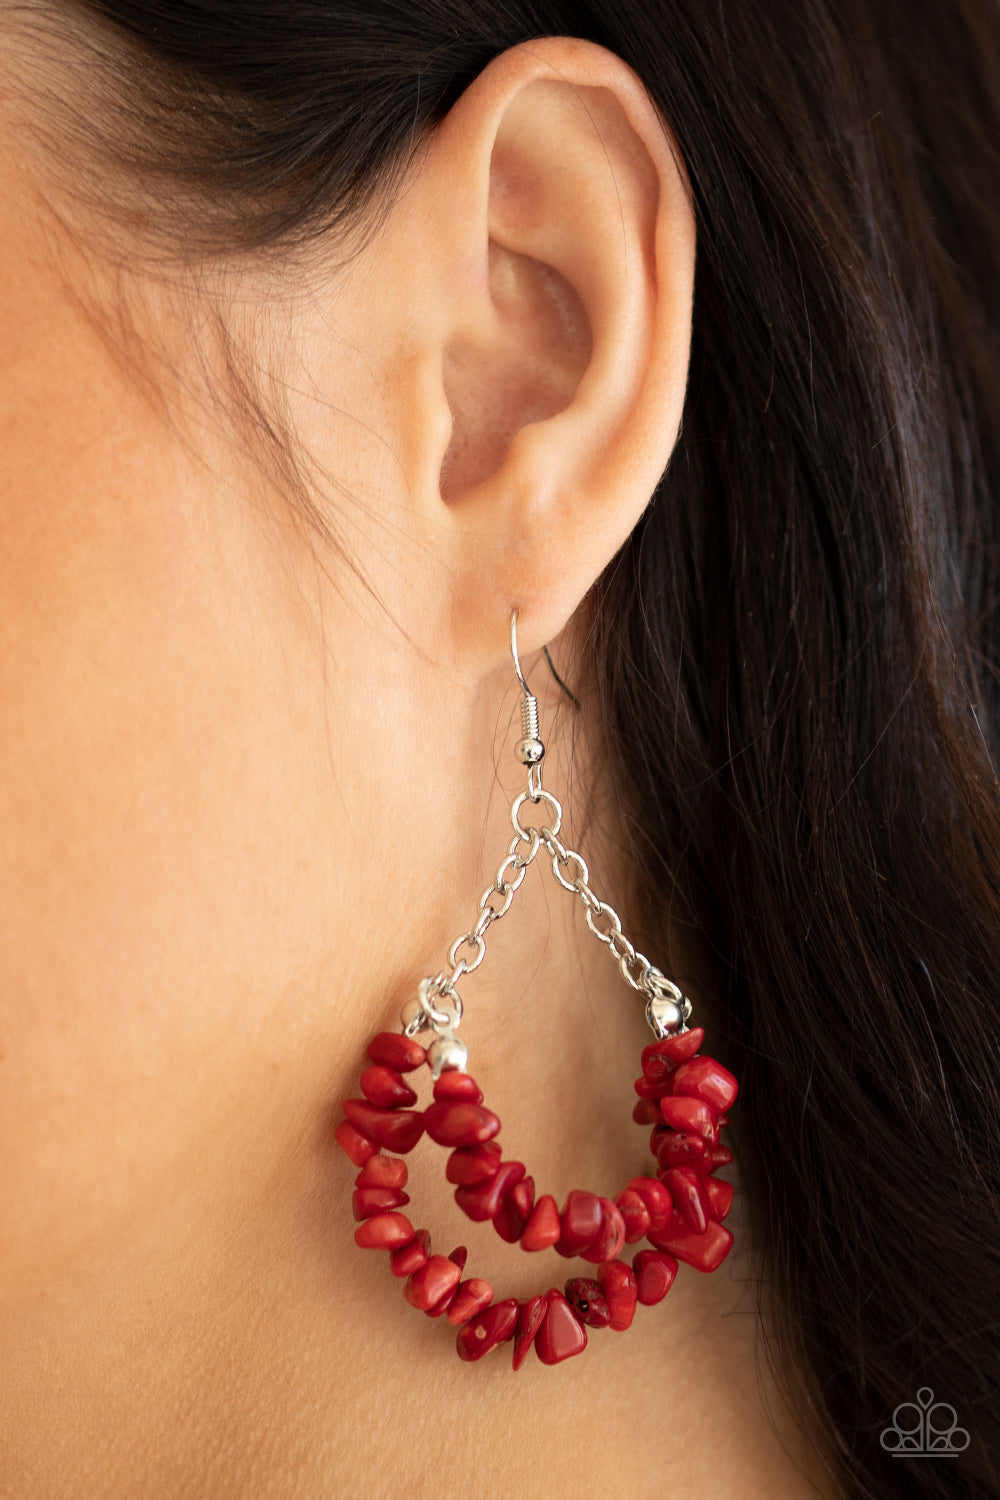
[[683, 1095]]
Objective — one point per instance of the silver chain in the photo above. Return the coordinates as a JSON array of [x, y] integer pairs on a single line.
[[634, 965], [438, 1007], [489, 911]]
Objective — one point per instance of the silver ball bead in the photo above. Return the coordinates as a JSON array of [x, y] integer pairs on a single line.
[[530, 752], [664, 1016], [447, 1052]]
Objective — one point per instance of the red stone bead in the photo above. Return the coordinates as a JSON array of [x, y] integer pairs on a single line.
[[460, 1124], [382, 1171], [562, 1334], [691, 1116], [395, 1129], [543, 1228], [483, 1201], [703, 1251], [440, 1308], [495, 1325], [460, 1256], [721, 1156], [656, 1198], [683, 1151], [720, 1198], [384, 1086], [620, 1292], [610, 1238], [453, 1086], [652, 1089], [471, 1164], [677, 1225], [646, 1112], [654, 1276], [685, 1188], [358, 1147], [515, 1211], [588, 1302], [581, 1222], [675, 1049], [432, 1282], [471, 1297], [530, 1316], [524, 1195], [657, 1066], [409, 1258], [704, 1078], [384, 1232], [392, 1050], [367, 1201], [636, 1216]]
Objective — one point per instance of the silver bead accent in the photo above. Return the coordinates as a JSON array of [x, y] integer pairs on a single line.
[[531, 749], [664, 1016], [447, 1052], [667, 1009]]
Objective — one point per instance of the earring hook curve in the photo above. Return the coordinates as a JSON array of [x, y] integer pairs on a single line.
[[513, 652]]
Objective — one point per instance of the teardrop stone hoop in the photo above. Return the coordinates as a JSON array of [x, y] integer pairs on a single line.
[[683, 1094]]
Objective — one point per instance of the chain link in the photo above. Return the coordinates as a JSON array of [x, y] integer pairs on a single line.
[[489, 912], [634, 966], [463, 964]]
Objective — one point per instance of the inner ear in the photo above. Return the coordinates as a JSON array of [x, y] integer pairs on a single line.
[[524, 365]]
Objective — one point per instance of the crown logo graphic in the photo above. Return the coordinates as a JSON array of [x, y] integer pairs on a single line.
[[924, 1428]]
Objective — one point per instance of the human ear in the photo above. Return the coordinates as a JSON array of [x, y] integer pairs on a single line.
[[550, 331]]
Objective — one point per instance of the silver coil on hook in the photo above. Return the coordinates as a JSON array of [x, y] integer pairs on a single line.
[[531, 749]]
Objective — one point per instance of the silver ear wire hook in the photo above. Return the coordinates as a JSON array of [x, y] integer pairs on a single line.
[[513, 652], [531, 749]]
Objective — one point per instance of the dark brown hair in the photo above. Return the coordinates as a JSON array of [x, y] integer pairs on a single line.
[[798, 650]]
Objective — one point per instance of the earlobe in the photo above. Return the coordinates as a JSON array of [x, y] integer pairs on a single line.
[[561, 263]]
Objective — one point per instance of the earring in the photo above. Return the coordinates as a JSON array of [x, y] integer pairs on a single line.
[[683, 1095]]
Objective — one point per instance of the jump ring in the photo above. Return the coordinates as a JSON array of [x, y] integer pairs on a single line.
[[441, 987], [656, 983], [543, 796]]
